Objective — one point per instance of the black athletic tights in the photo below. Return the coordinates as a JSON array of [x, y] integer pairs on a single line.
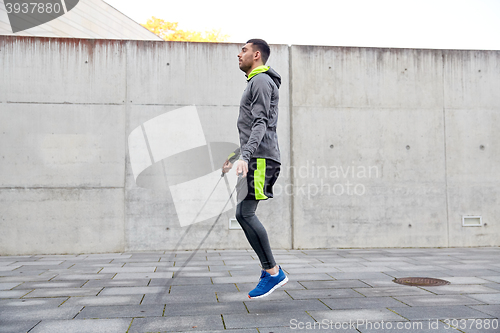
[[255, 232]]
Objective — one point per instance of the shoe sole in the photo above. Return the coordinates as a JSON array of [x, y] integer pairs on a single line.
[[282, 283]]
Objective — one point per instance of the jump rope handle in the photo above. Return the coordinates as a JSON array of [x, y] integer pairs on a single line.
[[232, 158]]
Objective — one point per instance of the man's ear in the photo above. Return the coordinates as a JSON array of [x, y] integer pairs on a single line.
[[257, 55]]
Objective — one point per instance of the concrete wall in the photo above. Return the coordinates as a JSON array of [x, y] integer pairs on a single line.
[[67, 107], [416, 119], [472, 116], [409, 123], [62, 129], [205, 75]]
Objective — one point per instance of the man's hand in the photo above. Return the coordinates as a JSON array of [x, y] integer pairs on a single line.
[[242, 168], [226, 166]]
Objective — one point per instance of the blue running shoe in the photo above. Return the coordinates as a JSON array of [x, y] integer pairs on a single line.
[[268, 284]]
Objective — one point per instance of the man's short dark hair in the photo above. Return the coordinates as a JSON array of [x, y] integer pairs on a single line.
[[262, 46]]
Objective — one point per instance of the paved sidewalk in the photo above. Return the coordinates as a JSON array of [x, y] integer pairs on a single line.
[[343, 290]]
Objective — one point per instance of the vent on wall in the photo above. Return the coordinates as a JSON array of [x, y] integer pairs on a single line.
[[233, 224], [472, 221]]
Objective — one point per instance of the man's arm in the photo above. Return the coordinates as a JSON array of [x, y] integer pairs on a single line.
[[234, 155], [228, 164], [261, 104]]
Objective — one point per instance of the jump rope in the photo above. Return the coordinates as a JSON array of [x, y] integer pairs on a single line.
[[175, 274]]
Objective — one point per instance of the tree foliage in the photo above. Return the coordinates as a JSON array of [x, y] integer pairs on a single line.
[[170, 31]]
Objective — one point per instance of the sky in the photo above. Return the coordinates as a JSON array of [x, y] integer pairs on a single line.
[[430, 24]]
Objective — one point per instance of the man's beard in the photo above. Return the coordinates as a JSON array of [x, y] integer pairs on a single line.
[[244, 68]]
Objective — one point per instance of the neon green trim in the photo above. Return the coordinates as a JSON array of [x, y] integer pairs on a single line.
[[259, 177], [230, 155], [257, 70]]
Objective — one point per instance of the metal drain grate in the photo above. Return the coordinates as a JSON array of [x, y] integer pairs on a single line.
[[421, 281]]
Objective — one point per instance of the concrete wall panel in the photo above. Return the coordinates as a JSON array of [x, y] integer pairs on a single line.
[[472, 146], [206, 76], [402, 145], [366, 77], [407, 136], [192, 73], [61, 145], [472, 101], [471, 79], [371, 174], [368, 109], [59, 221], [151, 218], [385, 216], [473, 157], [476, 200], [60, 70]]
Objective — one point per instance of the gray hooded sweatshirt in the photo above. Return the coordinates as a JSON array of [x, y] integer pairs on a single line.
[[258, 116]]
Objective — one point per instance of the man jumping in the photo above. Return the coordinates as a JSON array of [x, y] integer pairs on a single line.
[[259, 153]]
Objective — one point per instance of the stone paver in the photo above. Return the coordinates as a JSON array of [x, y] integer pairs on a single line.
[[181, 281], [392, 291], [199, 309], [17, 326], [200, 297], [38, 313], [460, 289], [83, 276], [121, 311], [359, 275], [340, 284], [438, 300], [495, 286], [179, 323], [243, 297], [361, 303], [83, 326], [387, 282], [441, 312], [59, 292], [158, 291], [8, 285], [42, 302], [13, 293], [212, 288], [493, 278], [50, 284], [493, 310], [486, 298], [104, 300], [323, 293], [265, 320], [285, 306], [113, 291], [45, 276], [464, 280], [355, 315], [117, 283]]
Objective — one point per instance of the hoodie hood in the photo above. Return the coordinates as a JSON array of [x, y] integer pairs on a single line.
[[274, 75], [269, 71]]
